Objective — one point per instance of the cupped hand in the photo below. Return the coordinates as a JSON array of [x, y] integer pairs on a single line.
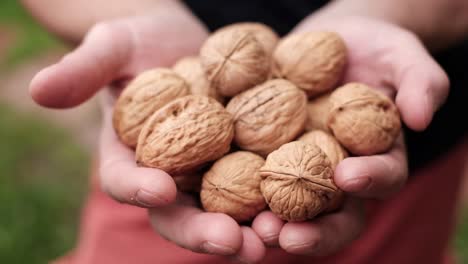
[[111, 54], [394, 61]]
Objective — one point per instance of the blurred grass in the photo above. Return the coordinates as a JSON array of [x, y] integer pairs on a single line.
[[43, 172], [461, 239], [42, 181], [30, 38]]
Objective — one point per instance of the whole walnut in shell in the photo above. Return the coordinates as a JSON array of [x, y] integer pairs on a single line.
[[364, 120], [314, 61], [318, 110], [334, 151], [263, 33], [297, 181], [190, 69], [185, 134], [234, 60], [232, 186], [268, 115], [148, 92], [327, 143]]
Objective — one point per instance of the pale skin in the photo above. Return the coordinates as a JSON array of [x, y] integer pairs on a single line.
[[116, 50]]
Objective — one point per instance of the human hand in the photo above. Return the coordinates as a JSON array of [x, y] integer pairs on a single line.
[[112, 53], [394, 61]]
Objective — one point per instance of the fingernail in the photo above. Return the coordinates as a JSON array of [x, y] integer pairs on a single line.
[[212, 248], [148, 199], [270, 240], [357, 185], [304, 248]]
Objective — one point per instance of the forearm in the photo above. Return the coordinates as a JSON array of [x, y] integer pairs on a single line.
[[70, 20], [438, 23]]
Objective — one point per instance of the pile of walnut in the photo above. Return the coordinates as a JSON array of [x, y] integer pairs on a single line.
[[255, 120]]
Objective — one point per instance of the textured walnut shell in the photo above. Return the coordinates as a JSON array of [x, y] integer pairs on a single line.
[[234, 61], [232, 186], [335, 153], [328, 144], [297, 181], [268, 115], [364, 120], [185, 134], [190, 69], [263, 33], [317, 112], [314, 61], [148, 92]]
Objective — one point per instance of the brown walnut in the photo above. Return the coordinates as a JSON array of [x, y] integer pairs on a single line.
[[314, 61], [327, 143], [363, 120], [317, 112], [263, 33], [268, 115], [190, 69], [185, 134], [148, 92], [234, 61], [334, 151], [232, 186], [297, 181]]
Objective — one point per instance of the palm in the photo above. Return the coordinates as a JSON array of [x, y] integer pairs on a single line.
[[393, 60], [112, 54]]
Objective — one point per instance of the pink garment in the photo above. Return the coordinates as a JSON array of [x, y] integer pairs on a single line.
[[413, 227]]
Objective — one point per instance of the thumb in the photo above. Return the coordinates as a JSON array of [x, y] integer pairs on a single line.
[[81, 73]]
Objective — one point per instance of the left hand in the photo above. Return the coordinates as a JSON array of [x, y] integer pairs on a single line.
[[394, 61]]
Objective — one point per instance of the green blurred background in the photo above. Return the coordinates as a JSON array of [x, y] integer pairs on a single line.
[[43, 168], [44, 156]]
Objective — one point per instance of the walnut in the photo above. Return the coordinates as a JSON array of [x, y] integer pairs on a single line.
[[314, 61], [335, 153], [185, 134], [364, 120], [234, 60], [148, 92], [190, 69], [268, 115], [263, 33], [297, 181], [232, 186], [328, 144], [317, 112]]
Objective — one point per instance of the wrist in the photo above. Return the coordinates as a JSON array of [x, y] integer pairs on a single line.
[[437, 23], [71, 20]]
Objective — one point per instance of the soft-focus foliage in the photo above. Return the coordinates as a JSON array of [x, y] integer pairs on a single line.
[[30, 38], [42, 181]]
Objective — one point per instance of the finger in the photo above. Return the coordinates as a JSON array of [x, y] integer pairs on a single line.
[[252, 250], [80, 74], [326, 234], [421, 83], [186, 226], [375, 176], [268, 227], [123, 180]]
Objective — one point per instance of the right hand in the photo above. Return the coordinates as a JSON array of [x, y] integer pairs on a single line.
[[114, 52]]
